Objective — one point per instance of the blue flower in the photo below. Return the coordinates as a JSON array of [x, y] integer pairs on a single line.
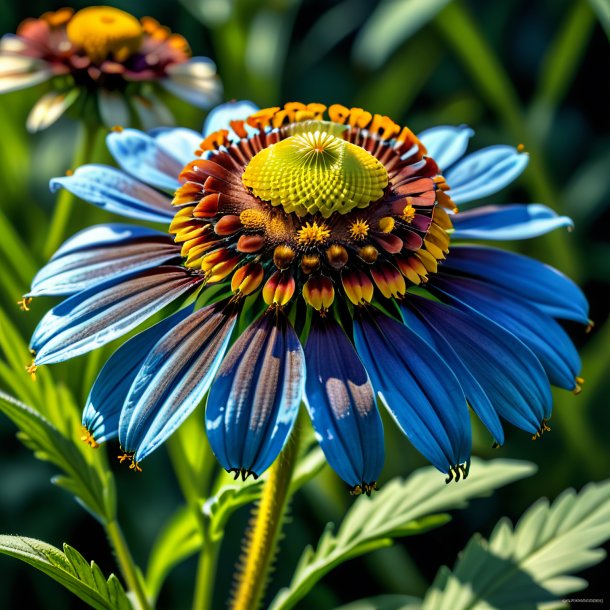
[[333, 240]]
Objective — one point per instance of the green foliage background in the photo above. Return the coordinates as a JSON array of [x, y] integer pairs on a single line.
[[517, 71]]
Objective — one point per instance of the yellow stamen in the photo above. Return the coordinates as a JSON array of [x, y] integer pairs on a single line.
[[386, 224], [359, 229], [408, 213], [24, 303], [313, 233], [104, 31], [31, 370], [87, 437]]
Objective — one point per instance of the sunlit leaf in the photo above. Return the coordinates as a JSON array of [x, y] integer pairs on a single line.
[[385, 602], [602, 8], [71, 570], [401, 508]]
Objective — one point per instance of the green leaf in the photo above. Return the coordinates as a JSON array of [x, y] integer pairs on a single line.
[[92, 486], [385, 602], [71, 570], [602, 9], [401, 508], [532, 563], [392, 23]]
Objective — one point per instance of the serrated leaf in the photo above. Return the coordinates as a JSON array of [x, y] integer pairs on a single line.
[[531, 564], [70, 569], [85, 481], [392, 23], [402, 507]]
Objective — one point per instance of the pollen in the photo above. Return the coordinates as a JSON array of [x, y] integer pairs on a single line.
[[252, 219], [104, 31], [31, 370], [87, 438], [24, 303], [386, 224], [359, 229], [408, 213], [313, 233]]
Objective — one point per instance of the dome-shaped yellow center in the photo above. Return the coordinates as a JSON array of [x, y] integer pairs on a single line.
[[103, 31], [316, 171]]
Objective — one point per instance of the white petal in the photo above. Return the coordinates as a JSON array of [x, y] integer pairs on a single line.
[[152, 112], [49, 108], [18, 72], [113, 108]]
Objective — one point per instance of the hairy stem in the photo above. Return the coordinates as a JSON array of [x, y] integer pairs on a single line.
[[260, 542], [126, 564]]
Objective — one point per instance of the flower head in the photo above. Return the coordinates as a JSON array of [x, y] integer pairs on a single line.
[[106, 53], [329, 235]]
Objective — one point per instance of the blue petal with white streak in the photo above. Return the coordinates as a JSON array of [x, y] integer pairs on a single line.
[[446, 144], [221, 117], [509, 221], [107, 396], [541, 333], [179, 142], [100, 253], [341, 404], [484, 172], [174, 378], [140, 155], [417, 387], [254, 400], [115, 191], [100, 314], [533, 281]]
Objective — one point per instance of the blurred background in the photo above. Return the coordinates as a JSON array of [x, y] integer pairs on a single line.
[[536, 73]]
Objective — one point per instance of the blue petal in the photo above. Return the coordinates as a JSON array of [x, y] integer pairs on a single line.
[[418, 388], [179, 142], [100, 314], [509, 221], [111, 189], [446, 144], [221, 116], [341, 404], [194, 81], [174, 378], [507, 370], [100, 253], [254, 400], [474, 392], [547, 340], [140, 155], [540, 284], [485, 172], [105, 401]]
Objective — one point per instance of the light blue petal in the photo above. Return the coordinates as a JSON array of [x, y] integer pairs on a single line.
[[533, 281], [105, 401], [100, 314], [140, 155], [446, 144], [221, 116], [545, 337], [254, 400], [507, 371], [174, 378], [179, 142], [484, 172], [509, 221], [100, 253], [417, 387], [195, 81], [341, 404], [115, 191]]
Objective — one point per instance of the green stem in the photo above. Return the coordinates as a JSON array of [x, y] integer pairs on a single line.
[[126, 564], [65, 199], [260, 542], [206, 574]]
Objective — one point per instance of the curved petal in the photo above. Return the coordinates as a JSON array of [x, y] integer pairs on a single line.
[[96, 316], [179, 142], [509, 221], [254, 400], [485, 172], [100, 253], [221, 116], [507, 370], [174, 378], [475, 394], [446, 144], [418, 388], [194, 81], [111, 189], [151, 111], [107, 396], [533, 281], [50, 108], [545, 337], [113, 107], [140, 155], [19, 72], [341, 404]]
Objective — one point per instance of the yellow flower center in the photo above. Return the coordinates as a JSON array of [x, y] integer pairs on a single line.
[[102, 31], [316, 171], [313, 233]]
